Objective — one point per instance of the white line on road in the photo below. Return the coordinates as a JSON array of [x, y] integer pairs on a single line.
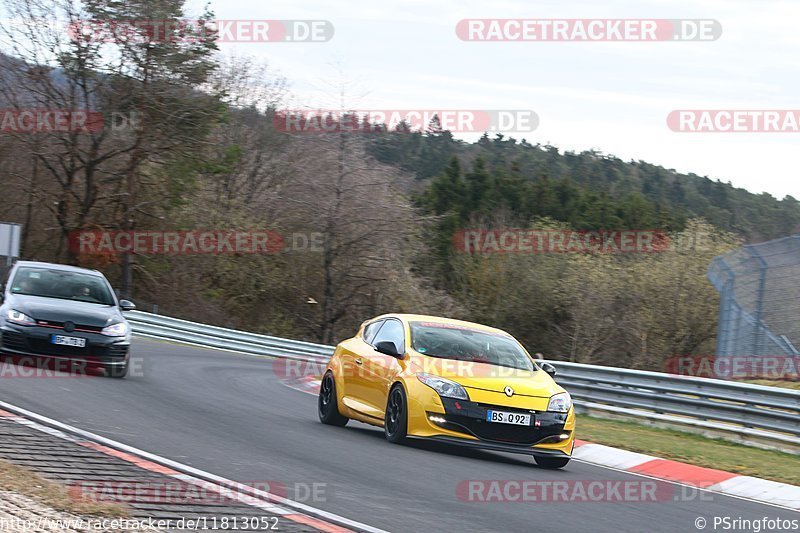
[[186, 469]]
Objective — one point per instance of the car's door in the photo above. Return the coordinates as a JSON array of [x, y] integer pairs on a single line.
[[381, 368], [353, 366]]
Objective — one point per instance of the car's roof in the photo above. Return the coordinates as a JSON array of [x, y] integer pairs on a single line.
[[442, 320], [56, 266]]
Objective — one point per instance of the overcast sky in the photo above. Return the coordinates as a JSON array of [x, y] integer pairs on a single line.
[[613, 97]]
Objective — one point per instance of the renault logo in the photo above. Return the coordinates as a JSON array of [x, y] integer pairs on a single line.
[[509, 391]]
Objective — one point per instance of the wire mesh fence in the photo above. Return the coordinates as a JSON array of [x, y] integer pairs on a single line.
[[759, 287]]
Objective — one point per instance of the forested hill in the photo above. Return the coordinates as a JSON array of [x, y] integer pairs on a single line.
[[567, 185], [198, 148]]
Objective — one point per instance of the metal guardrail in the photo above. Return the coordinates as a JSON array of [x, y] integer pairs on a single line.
[[726, 403], [175, 329], [741, 407]]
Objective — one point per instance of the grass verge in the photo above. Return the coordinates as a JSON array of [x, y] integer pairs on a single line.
[[691, 448], [23, 481]]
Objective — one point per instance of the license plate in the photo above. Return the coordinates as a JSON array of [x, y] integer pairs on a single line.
[[68, 341], [504, 417]]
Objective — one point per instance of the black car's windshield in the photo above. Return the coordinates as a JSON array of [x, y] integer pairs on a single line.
[[53, 283], [450, 341]]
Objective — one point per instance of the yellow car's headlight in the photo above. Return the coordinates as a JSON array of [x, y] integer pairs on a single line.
[[445, 387], [560, 403]]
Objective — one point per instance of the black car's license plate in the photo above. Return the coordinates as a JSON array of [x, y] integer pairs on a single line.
[[63, 340]]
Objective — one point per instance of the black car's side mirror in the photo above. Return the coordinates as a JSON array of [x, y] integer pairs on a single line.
[[127, 305], [548, 368], [388, 348]]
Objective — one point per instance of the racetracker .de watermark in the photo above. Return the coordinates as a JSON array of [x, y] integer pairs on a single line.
[[734, 120], [404, 120], [775, 367], [588, 30], [533, 241], [32, 367], [50, 121], [290, 370], [80, 121], [195, 242], [177, 492], [193, 31], [576, 491]]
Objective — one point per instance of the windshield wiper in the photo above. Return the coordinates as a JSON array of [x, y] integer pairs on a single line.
[[62, 298]]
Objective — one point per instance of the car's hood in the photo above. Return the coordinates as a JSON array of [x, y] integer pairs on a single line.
[[494, 378], [58, 310]]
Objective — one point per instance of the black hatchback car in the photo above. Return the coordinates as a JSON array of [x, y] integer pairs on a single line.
[[64, 313]]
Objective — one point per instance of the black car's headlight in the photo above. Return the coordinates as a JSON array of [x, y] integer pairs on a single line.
[[445, 387], [560, 403], [18, 317], [120, 329]]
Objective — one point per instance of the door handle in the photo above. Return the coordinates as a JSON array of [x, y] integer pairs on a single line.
[[359, 361]]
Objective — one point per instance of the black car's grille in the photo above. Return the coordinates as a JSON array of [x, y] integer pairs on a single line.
[[14, 341], [470, 418], [76, 327], [44, 347], [503, 432], [117, 350]]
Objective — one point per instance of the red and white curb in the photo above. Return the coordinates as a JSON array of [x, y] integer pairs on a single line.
[[266, 501], [721, 482], [709, 479], [307, 384]]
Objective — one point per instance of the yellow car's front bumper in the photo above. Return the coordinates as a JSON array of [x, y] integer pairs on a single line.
[[464, 422]]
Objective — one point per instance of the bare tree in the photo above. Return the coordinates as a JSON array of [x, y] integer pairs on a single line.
[[149, 80]]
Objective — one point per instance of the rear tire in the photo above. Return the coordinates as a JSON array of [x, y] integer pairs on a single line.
[[328, 404], [551, 462], [395, 421]]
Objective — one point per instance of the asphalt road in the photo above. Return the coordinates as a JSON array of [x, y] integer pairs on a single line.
[[231, 415]]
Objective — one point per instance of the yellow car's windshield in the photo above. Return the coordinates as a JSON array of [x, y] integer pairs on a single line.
[[452, 341]]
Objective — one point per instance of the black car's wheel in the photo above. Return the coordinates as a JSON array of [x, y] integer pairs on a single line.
[[395, 422], [551, 462], [117, 371], [328, 405]]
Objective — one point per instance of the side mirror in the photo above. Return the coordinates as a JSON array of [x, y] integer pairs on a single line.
[[127, 305], [388, 348], [550, 369]]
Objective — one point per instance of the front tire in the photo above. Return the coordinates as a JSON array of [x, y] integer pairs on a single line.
[[328, 404], [551, 462], [395, 421]]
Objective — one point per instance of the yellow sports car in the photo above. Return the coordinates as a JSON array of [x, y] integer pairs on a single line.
[[452, 381]]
